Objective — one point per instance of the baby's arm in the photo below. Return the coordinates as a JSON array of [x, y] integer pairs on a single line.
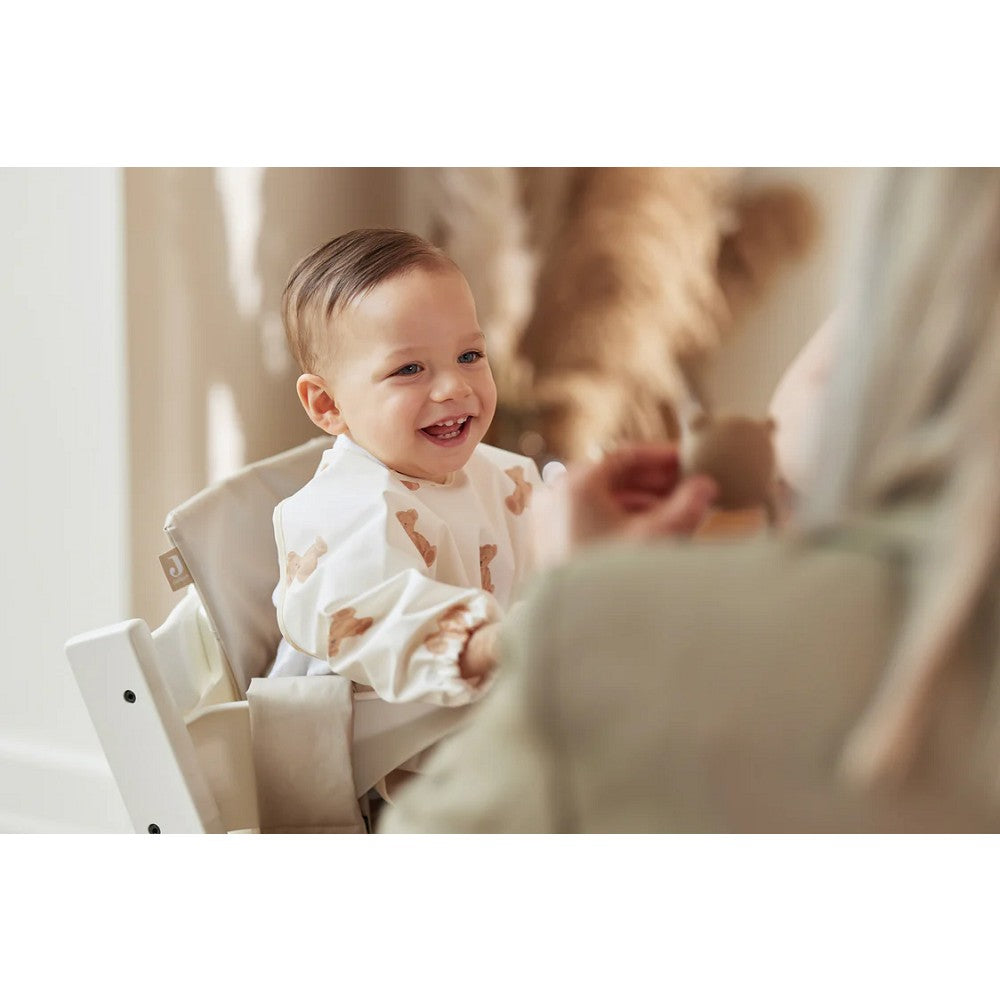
[[365, 602]]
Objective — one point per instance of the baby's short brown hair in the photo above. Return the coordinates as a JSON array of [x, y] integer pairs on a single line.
[[335, 274]]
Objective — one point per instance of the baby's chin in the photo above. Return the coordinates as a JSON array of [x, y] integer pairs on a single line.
[[441, 466], [437, 472]]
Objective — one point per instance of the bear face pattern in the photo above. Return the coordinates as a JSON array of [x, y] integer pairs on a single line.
[[456, 622], [486, 554], [300, 567], [408, 519], [345, 625], [518, 500]]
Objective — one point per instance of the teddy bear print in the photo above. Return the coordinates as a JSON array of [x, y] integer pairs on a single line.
[[300, 567], [518, 500], [408, 519], [409, 485], [453, 623], [343, 625], [486, 554]]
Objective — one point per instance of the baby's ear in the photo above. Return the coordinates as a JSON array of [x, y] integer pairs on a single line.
[[319, 405]]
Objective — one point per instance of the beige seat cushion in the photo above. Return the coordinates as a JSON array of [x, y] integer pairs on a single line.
[[225, 537], [301, 729]]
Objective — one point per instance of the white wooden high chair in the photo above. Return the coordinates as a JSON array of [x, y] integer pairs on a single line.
[[170, 707]]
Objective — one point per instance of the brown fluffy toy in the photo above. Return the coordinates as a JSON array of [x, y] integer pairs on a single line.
[[738, 453], [603, 292]]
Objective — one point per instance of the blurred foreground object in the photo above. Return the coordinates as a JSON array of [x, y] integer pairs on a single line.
[[738, 453]]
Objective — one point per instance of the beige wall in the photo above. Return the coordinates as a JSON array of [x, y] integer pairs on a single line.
[[210, 384]]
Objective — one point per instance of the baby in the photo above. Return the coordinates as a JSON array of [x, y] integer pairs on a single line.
[[402, 553]]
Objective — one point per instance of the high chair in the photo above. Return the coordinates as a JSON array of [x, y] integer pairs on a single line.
[[170, 706]]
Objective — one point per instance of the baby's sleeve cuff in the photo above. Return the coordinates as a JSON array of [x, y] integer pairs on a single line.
[[433, 673]]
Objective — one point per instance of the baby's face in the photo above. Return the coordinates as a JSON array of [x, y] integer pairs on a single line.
[[410, 376]]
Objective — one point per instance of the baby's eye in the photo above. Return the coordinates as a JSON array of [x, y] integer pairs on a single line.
[[470, 356], [408, 370]]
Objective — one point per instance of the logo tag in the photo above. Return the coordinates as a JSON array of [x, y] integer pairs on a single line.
[[175, 570]]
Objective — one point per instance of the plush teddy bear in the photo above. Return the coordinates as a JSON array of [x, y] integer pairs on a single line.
[[345, 625], [738, 453], [408, 519]]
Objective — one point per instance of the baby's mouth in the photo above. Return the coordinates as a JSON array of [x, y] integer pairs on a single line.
[[448, 430]]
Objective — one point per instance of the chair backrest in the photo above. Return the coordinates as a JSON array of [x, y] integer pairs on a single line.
[[226, 539]]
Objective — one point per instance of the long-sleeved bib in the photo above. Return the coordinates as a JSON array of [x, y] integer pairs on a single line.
[[384, 576]]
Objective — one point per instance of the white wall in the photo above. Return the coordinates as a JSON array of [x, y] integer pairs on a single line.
[[64, 497]]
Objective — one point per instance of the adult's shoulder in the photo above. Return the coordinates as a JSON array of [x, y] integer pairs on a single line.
[[707, 579], [669, 668], [689, 615]]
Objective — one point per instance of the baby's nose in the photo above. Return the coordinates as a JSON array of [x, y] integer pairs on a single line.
[[451, 385]]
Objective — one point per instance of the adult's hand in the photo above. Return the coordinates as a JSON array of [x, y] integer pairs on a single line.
[[635, 492]]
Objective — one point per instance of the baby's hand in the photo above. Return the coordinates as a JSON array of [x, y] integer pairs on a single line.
[[479, 655]]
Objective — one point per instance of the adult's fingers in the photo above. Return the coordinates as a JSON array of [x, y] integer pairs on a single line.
[[678, 514], [645, 466], [637, 500]]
